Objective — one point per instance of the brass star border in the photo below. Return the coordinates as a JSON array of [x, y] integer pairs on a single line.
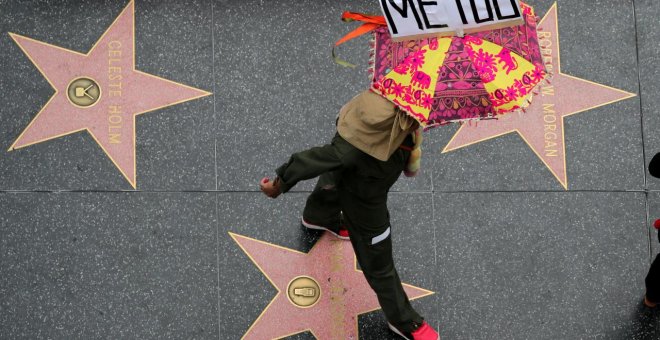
[[122, 94], [345, 293], [542, 125]]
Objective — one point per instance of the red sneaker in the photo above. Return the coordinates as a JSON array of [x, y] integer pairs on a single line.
[[341, 233], [423, 332]]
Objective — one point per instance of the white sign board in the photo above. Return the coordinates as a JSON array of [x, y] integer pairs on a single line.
[[408, 19]]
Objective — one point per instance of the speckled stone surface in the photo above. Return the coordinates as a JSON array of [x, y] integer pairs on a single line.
[[278, 90], [649, 61], [542, 265], [71, 162], [114, 265], [604, 147], [175, 146], [593, 138], [506, 163], [278, 222], [508, 252]]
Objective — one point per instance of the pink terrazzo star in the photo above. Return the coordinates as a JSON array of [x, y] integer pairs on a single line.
[[124, 92], [542, 126], [345, 293]]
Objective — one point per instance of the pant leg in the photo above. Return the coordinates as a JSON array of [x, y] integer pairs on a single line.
[[653, 281], [323, 207], [377, 265]]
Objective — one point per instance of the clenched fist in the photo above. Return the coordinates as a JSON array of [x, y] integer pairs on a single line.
[[270, 188]]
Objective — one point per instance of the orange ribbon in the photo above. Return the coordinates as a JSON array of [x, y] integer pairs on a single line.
[[370, 23]]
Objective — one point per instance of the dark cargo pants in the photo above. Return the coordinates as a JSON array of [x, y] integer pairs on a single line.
[[369, 229], [653, 281]]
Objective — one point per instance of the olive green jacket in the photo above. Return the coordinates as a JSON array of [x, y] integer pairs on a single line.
[[362, 180]]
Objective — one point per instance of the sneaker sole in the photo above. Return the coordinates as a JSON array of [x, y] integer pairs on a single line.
[[318, 227], [393, 329]]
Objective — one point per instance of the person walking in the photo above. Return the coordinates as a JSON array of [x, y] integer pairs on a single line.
[[370, 150]]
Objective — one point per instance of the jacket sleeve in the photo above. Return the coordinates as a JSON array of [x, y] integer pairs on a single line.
[[308, 164]]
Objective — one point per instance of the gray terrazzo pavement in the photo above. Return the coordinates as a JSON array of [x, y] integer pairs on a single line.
[[649, 57], [507, 251], [69, 163], [174, 41], [116, 265], [536, 266]]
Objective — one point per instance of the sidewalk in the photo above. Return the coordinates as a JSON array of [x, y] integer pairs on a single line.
[[516, 237]]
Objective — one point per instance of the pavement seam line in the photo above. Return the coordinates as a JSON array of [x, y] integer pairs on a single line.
[[215, 114], [641, 117], [215, 169]]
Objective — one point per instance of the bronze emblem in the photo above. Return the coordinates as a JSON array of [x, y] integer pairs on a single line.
[[304, 292], [83, 92]]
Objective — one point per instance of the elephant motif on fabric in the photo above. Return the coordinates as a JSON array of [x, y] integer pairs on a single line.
[[421, 80], [507, 60]]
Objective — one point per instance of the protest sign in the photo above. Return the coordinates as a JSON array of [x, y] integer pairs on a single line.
[[409, 19]]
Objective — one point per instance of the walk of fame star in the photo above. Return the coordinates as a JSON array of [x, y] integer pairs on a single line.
[[100, 92], [542, 126], [343, 292]]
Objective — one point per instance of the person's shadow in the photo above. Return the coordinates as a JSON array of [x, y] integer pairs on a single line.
[[644, 324]]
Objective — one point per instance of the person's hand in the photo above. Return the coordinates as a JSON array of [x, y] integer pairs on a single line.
[[270, 188]]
